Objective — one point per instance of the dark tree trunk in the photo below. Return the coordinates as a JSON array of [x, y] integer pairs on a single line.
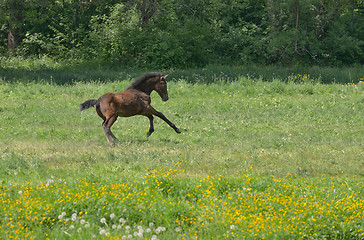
[[15, 19], [147, 9], [297, 21]]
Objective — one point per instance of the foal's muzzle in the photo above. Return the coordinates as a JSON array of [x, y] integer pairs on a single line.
[[165, 98]]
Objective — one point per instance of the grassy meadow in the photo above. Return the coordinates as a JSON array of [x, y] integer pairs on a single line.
[[278, 159]]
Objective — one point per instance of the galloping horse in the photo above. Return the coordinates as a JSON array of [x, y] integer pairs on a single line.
[[135, 100]]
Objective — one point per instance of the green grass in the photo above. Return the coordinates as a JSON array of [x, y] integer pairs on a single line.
[[256, 159]]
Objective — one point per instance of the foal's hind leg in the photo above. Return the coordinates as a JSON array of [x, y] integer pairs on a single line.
[[151, 126], [106, 125]]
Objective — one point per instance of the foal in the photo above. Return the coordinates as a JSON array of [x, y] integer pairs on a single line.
[[135, 100]]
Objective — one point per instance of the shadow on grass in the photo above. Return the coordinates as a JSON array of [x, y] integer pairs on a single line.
[[61, 76], [66, 73]]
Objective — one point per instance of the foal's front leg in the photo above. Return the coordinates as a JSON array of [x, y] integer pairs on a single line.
[[160, 115]]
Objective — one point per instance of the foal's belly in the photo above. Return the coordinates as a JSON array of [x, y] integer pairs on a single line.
[[125, 112], [127, 107]]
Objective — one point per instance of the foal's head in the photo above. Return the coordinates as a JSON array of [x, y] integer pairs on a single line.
[[161, 87], [152, 81]]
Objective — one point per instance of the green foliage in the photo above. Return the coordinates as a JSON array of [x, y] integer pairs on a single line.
[[121, 38], [184, 34], [345, 48]]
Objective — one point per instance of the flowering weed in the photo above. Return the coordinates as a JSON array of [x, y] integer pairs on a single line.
[[166, 205]]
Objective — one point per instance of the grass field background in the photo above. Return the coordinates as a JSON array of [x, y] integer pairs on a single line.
[[256, 159]]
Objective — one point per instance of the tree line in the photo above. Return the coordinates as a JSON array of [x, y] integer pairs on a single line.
[[186, 33]]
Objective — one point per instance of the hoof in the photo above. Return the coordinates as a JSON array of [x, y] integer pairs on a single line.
[[149, 133], [177, 130], [113, 144]]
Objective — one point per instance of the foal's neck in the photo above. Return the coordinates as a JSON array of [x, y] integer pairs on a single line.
[[146, 88]]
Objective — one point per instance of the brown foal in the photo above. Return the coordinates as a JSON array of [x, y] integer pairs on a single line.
[[135, 100]]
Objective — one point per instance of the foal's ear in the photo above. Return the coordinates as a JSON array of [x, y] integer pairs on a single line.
[[164, 77]]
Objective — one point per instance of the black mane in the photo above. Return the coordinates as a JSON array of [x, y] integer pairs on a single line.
[[144, 77]]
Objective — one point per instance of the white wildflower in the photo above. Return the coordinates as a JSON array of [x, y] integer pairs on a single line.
[[82, 221], [103, 220], [102, 232], [112, 216], [232, 227], [49, 181], [161, 229]]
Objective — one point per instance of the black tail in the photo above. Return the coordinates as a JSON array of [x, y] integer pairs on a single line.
[[88, 104]]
